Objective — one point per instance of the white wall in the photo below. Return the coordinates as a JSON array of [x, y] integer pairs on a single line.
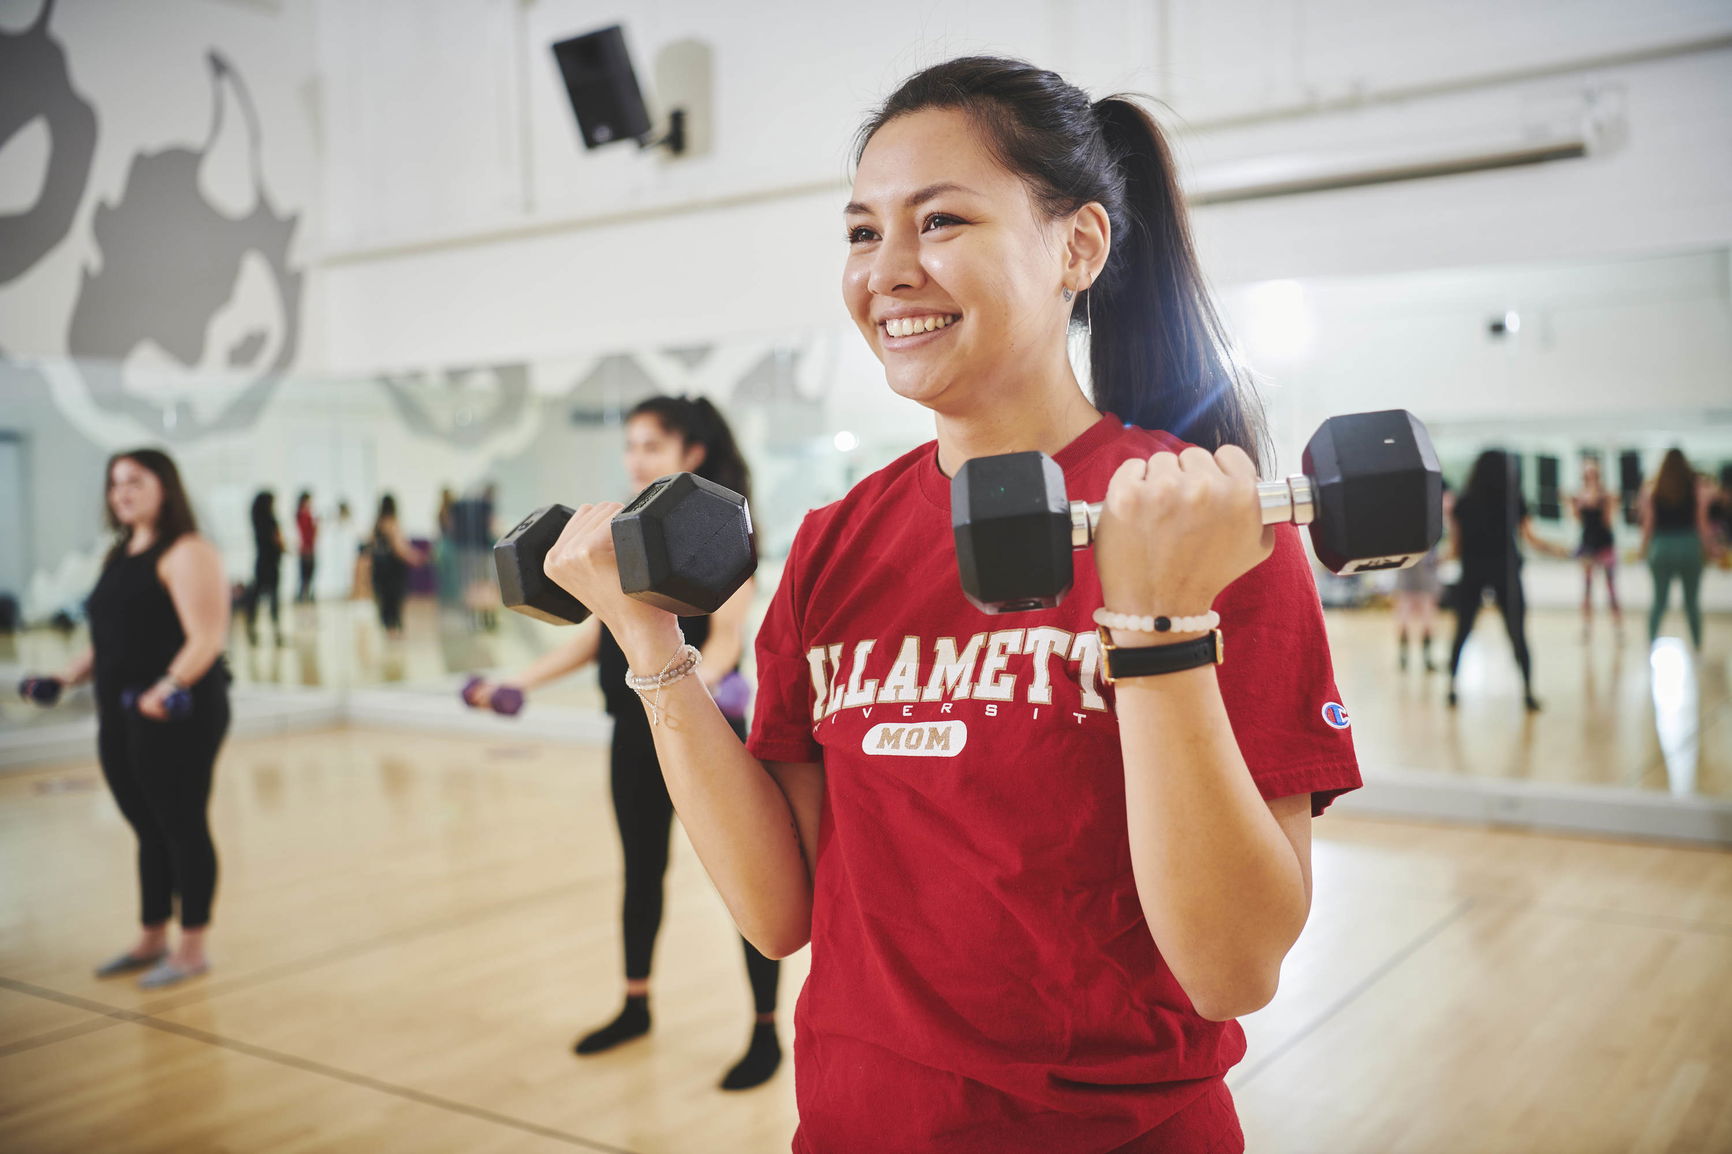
[[146, 71], [455, 237]]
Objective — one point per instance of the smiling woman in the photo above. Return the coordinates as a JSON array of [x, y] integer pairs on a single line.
[[1036, 895], [158, 621]]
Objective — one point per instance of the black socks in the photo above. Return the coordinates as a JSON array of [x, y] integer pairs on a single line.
[[762, 1058], [633, 1022]]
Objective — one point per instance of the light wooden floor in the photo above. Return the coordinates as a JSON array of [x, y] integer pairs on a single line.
[[411, 930]]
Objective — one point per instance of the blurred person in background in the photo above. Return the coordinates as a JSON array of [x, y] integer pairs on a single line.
[[307, 534], [159, 617], [445, 550], [663, 435], [472, 519], [1595, 507], [1417, 589], [1677, 540], [393, 557], [342, 546], [1488, 524], [267, 565]]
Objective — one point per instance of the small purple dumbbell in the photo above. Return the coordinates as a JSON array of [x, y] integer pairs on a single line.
[[178, 704], [43, 691], [733, 694], [507, 699]]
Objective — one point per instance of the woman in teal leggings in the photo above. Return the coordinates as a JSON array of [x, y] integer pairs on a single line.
[[1676, 540]]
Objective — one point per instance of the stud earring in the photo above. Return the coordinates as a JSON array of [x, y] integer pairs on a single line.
[[1068, 294]]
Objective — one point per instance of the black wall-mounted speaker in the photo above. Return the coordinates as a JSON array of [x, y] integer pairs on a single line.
[[602, 87]]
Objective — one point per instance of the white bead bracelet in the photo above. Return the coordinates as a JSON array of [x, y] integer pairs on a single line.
[[1201, 623], [679, 666]]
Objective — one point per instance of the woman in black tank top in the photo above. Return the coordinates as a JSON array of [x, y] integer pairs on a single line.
[[159, 617], [1596, 508], [663, 435]]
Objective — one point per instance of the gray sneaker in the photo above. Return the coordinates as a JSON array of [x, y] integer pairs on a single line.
[[127, 963], [167, 973]]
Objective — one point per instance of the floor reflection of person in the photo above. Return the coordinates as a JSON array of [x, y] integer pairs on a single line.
[[663, 435], [159, 618], [1677, 539]]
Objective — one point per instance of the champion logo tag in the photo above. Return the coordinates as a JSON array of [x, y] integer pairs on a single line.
[[1335, 715], [916, 739]]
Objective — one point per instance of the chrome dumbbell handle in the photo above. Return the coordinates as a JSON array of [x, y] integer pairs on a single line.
[[1290, 499]]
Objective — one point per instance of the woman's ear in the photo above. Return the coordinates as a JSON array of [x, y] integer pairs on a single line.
[[1087, 246], [693, 457]]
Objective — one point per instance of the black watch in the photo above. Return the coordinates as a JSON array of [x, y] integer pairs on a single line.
[[1117, 662]]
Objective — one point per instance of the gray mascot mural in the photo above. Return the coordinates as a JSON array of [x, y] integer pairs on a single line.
[[169, 262], [35, 82]]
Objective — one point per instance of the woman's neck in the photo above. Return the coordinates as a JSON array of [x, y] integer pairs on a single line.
[[142, 538], [1048, 421]]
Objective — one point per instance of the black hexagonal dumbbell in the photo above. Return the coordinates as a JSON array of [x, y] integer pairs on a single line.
[[1371, 492], [684, 544]]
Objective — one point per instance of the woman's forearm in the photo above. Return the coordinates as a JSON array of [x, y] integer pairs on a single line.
[[736, 815], [194, 659], [1221, 885], [77, 671]]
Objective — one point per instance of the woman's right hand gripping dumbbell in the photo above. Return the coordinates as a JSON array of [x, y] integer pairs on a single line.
[[582, 562]]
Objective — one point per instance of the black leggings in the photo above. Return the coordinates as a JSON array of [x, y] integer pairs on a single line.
[[160, 775], [389, 590], [645, 814], [265, 586], [1504, 579], [304, 592]]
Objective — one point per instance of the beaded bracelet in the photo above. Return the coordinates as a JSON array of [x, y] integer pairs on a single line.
[[1201, 623], [685, 659]]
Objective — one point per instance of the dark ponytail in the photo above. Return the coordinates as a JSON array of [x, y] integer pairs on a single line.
[[1157, 353], [695, 421]]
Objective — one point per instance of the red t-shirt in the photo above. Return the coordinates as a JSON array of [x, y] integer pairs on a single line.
[[307, 528], [982, 975]]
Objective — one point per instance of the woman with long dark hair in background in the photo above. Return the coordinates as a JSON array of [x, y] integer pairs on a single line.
[[159, 619], [663, 435], [267, 565], [1488, 523], [393, 558], [1043, 859], [1677, 539]]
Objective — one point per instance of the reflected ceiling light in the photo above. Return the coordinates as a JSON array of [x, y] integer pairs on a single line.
[[846, 442]]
